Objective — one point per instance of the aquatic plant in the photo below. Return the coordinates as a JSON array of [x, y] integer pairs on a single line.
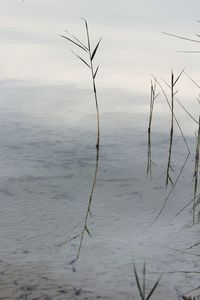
[[93, 70], [142, 286]]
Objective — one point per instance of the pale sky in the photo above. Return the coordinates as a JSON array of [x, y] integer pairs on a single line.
[[132, 48]]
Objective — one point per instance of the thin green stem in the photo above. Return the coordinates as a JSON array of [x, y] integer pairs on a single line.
[[97, 141], [168, 177], [196, 172]]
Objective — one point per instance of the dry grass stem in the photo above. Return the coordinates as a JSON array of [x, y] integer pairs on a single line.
[[93, 70], [153, 97], [196, 173], [173, 93], [187, 112], [173, 117]]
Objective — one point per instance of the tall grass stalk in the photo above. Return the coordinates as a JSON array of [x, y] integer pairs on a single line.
[[196, 172], [175, 118], [93, 70], [172, 86], [195, 199], [153, 97]]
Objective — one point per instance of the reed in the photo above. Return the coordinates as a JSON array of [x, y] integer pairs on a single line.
[[174, 118], [173, 93], [89, 63], [153, 97], [196, 174], [196, 197], [142, 286], [168, 103]]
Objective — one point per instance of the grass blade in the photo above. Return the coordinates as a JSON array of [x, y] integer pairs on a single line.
[[88, 232], [177, 79], [196, 171], [87, 32], [138, 282], [192, 80], [144, 282], [182, 37], [77, 40], [153, 289], [73, 42], [187, 112], [95, 49], [82, 59], [95, 73]]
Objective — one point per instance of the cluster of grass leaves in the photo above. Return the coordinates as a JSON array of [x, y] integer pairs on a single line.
[[142, 285]]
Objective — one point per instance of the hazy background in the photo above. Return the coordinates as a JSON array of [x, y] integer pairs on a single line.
[[133, 48]]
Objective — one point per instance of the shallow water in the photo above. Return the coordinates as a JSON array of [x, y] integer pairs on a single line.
[[47, 163]]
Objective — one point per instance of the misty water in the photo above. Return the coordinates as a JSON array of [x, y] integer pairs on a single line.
[[47, 149]]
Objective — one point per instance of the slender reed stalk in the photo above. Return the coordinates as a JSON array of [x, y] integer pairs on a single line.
[[173, 118], [168, 177], [153, 97], [185, 141], [196, 173], [196, 198], [173, 93], [90, 64]]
